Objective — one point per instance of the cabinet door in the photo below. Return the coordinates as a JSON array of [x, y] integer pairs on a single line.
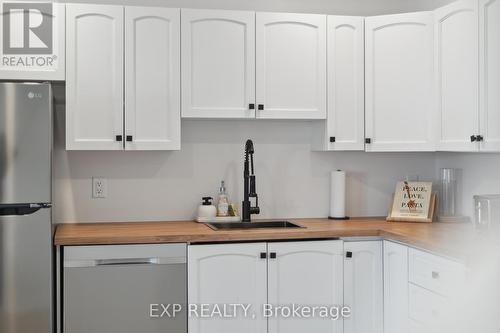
[[400, 112], [94, 77], [218, 63], [489, 53], [395, 288], [456, 56], [228, 274], [363, 286], [306, 274], [152, 78], [291, 66], [346, 80]]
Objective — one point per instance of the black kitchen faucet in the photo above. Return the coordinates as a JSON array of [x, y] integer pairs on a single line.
[[249, 185]]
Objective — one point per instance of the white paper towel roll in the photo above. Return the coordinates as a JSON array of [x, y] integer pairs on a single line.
[[337, 194]]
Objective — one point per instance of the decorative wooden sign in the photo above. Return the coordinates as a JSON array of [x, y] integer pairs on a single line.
[[413, 202]]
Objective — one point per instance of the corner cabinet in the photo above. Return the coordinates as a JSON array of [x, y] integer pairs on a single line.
[[344, 128], [400, 108], [123, 79], [291, 66], [218, 67], [457, 65], [304, 273], [363, 286]]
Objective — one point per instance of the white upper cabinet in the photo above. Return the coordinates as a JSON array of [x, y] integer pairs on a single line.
[[291, 66], [305, 273], [94, 77], [456, 56], [363, 286], [228, 274], [346, 80], [152, 78], [489, 58], [395, 288], [218, 64], [400, 108]]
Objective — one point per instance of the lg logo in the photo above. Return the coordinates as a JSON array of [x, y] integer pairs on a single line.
[[32, 95], [27, 28]]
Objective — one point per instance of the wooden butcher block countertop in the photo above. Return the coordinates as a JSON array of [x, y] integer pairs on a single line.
[[448, 239]]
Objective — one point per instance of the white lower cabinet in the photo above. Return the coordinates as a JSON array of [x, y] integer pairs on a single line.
[[227, 274], [305, 273], [309, 274], [395, 288], [363, 286]]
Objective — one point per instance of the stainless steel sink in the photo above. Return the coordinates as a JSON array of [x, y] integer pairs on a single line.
[[253, 225]]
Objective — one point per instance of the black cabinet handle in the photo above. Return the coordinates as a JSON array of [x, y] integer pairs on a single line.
[[480, 138], [272, 255], [332, 139], [348, 254], [251, 106], [119, 138], [368, 140], [129, 138], [473, 138], [263, 255], [261, 107]]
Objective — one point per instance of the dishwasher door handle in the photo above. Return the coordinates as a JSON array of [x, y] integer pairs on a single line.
[[124, 262]]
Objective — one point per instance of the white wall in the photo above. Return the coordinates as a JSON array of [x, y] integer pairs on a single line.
[[292, 181], [478, 175]]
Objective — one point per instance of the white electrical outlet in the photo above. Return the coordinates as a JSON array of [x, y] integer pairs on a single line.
[[99, 187]]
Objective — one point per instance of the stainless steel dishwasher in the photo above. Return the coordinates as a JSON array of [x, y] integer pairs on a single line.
[[124, 288]]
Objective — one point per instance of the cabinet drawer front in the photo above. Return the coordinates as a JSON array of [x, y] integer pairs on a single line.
[[435, 273], [425, 307]]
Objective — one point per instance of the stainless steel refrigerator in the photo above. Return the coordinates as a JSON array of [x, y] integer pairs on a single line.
[[26, 287]]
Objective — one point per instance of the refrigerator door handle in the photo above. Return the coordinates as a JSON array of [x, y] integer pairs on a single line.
[[22, 209]]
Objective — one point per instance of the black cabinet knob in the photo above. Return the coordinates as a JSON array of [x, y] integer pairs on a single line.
[[368, 140], [263, 255], [332, 139], [129, 138], [480, 138], [272, 255], [119, 138], [261, 107], [473, 138], [348, 254], [251, 106]]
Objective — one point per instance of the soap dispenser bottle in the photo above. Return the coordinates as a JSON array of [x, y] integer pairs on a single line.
[[223, 203], [206, 209]]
